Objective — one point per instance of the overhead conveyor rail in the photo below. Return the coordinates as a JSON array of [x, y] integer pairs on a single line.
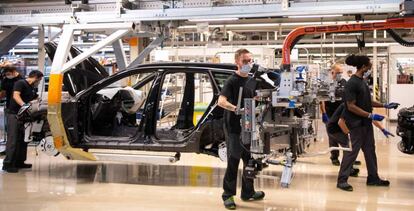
[[106, 11]]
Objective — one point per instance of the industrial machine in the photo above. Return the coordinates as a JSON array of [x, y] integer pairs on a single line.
[[405, 130]]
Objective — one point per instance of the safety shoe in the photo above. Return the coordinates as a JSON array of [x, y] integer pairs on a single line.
[[229, 203], [258, 195], [379, 183], [10, 169], [335, 162], [24, 166], [354, 172], [345, 186], [357, 162]]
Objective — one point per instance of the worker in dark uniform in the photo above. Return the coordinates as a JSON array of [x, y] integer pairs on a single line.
[[10, 76], [328, 108], [235, 151], [16, 147], [338, 131], [358, 118]]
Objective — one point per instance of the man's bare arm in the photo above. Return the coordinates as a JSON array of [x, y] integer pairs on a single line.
[[343, 126], [2, 94], [17, 98], [378, 125], [222, 102], [377, 104], [356, 110], [322, 106]]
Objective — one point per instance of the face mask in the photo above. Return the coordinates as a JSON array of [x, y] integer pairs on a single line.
[[36, 84], [10, 77], [245, 69], [338, 77], [367, 74]]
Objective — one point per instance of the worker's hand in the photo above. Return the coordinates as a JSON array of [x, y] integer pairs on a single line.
[[387, 133], [239, 111], [375, 117], [391, 105], [325, 118]]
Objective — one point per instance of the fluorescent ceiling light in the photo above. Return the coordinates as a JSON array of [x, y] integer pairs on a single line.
[[213, 19], [313, 16]]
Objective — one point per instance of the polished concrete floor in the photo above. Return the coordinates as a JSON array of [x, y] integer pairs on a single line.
[[194, 183]]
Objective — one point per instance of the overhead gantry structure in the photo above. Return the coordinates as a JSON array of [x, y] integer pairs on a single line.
[[109, 11]]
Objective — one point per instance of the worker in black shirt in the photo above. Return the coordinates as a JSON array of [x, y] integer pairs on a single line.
[[358, 118], [328, 108], [235, 151], [16, 147], [338, 131], [10, 76]]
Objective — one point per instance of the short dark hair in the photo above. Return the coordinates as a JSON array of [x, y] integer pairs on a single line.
[[9, 69], [35, 73], [240, 52]]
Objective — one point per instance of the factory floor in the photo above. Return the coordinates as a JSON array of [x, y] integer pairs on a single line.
[[194, 183]]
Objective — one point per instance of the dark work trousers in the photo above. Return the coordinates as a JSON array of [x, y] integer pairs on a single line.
[[361, 138], [333, 142], [16, 148], [235, 152], [340, 139]]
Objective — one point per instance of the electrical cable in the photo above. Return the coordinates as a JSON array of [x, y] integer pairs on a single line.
[[399, 39]]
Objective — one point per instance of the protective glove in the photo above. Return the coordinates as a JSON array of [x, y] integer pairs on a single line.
[[387, 133], [325, 118], [391, 105], [375, 117]]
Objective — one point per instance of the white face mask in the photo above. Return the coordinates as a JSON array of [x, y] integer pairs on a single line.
[[367, 74], [10, 76], [338, 77], [245, 69]]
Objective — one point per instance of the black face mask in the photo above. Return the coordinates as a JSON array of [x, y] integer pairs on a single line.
[[36, 83]]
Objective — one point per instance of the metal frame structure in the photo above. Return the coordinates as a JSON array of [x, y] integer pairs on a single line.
[[60, 65]]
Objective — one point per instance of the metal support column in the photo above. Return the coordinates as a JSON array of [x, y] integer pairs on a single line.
[[41, 59], [120, 54], [59, 66], [154, 44]]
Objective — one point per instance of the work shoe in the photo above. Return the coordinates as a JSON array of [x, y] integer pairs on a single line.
[[10, 169], [344, 186], [379, 183], [229, 203], [24, 166], [354, 172], [258, 195], [335, 162], [357, 162]]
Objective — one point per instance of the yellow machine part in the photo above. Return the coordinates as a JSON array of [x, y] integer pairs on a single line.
[[54, 116]]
